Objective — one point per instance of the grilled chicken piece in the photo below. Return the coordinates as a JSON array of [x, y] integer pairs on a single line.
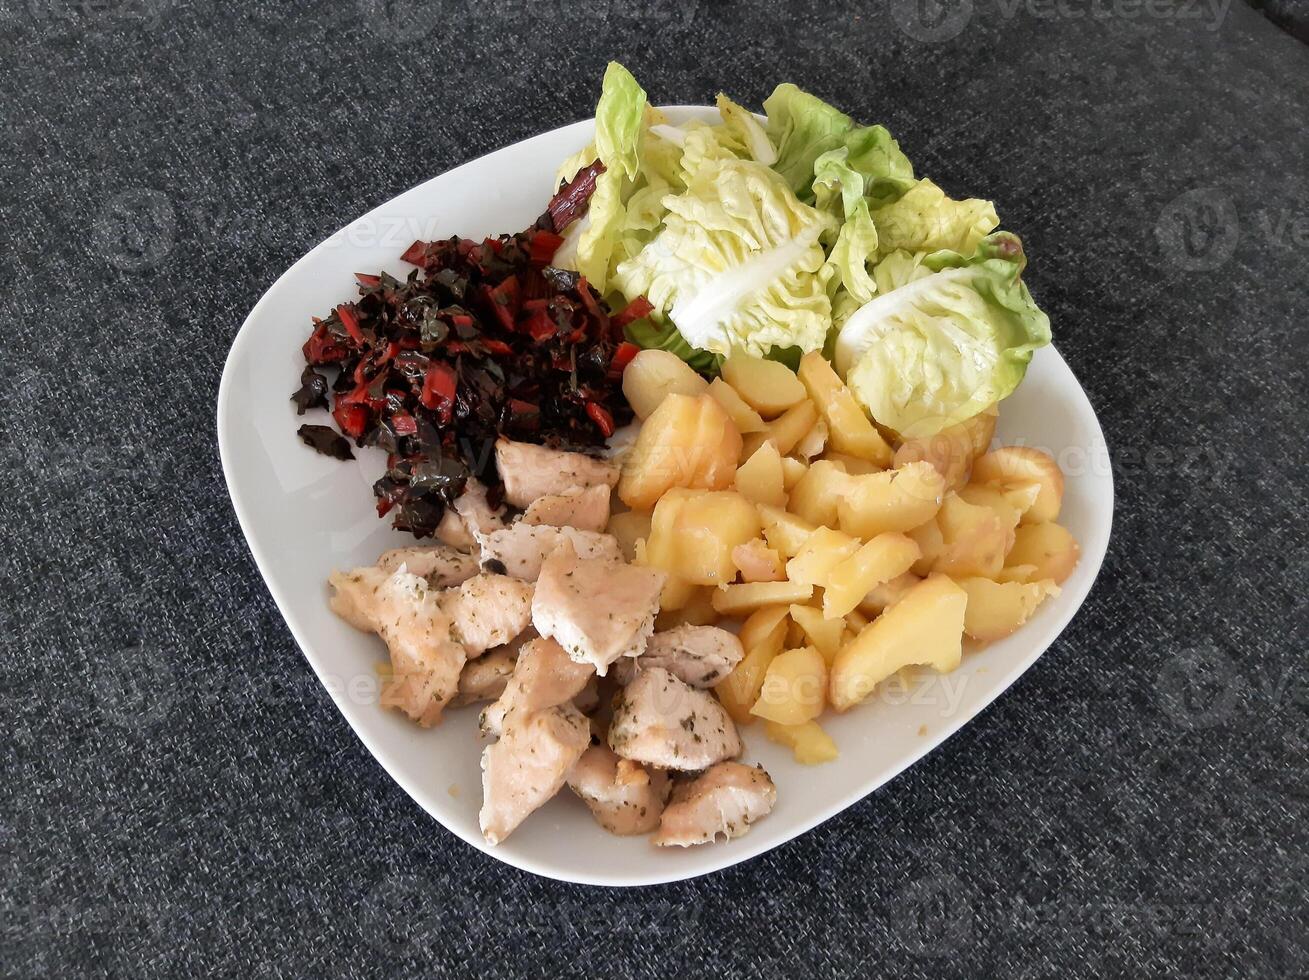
[[410, 617], [442, 566], [699, 655], [623, 796], [725, 799], [598, 609], [470, 519], [528, 766], [485, 678], [522, 548], [531, 471], [662, 721], [488, 611], [585, 509], [543, 678]]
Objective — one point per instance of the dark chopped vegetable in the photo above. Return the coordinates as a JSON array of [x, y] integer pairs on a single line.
[[312, 392], [483, 339], [326, 440]]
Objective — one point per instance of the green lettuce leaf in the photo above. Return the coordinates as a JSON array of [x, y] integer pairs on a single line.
[[941, 347], [657, 332], [738, 263], [802, 127], [924, 219]]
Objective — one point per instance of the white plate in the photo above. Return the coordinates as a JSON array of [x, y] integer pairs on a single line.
[[304, 515]]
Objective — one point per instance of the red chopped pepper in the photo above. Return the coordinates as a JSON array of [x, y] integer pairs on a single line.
[[635, 310], [544, 246], [622, 357], [416, 254], [439, 385], [368, 281], [346, 314], [351, 417], [601, 417]]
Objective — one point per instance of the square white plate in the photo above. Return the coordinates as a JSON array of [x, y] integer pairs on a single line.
[[304, 515]]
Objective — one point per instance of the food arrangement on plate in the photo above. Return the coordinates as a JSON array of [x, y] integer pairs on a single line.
[[704, 451]]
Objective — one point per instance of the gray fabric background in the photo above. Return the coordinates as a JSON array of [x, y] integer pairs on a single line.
[[179, 797]]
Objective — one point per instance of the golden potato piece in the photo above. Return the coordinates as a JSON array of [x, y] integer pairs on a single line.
[[817, 494], [629, 527], [809, 744], [652, 375], [769, 387], [975, 540], [1048, 548], [794, 689], [813, 443], [925, 627], [885, 557], [823, 633], [746, 419], [896, 500], [822, 552], [855, 622], [1018, 466], [884, 596], [686, 442], [760, 477], [850, 430], [739, 690], [764, 625], [1009, 504], [737, 600], [794, 426], [997, 609], [792, 470], [758, 563], [852, 464], [693, 534], [697, 610], [785, 532], [952, 450]]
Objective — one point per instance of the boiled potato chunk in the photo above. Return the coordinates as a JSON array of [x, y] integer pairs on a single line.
[[739, 690], [769, 387], [852, 464], [884, 596], [809, 744], [817, 495], [896, 500], [997, 609], [785, 532], [952, 450], [794, 689], [686, 442], [652, 375], [1048, 548], [975, 539], [793, 427], [698, 610], [885, 557], [736, 600], [823, 633], [694, 533], [1009, 505], [855, 622], [1019, 466], [792, 470], [813, 443], [746, 419], [850, 430], [677, 593], [760, 478], [630, 527], [925, 627], [763, 625], [824, 550], [930, 543], [758, 563]]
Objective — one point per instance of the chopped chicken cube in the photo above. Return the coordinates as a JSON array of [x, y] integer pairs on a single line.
[[699, 655], [531, 471], [725, 799], [471, 518], [485, 678], [624, 797], [598, 609], [410, 617], [588, 698], [442, 566], [543, 678], [662, 721], [488, 611], [520, 549], [528, 766], [585, 509]]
